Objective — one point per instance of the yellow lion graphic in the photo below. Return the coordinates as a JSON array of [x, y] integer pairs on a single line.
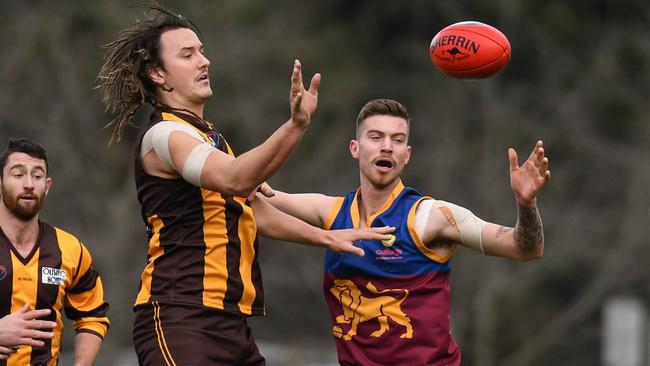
[[358, 309]]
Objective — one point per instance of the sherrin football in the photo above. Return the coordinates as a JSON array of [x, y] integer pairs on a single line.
[[470, 50]]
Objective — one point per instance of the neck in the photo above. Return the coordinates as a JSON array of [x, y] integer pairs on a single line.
[[373, 198], [196, 108], [22, 234]]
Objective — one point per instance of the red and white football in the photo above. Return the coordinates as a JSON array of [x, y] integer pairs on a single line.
[[470, 50]]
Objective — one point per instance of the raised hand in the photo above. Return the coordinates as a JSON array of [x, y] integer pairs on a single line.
[[303, 102], [526, 180], [342, 241]]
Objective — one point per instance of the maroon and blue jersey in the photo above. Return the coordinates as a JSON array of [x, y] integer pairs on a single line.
[[391, 306]]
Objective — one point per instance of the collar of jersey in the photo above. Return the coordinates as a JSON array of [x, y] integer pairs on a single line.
[[354, 207]]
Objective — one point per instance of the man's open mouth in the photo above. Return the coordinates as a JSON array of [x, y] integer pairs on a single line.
[[384, 163]]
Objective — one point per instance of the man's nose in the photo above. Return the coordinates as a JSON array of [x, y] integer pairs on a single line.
[[28, 182], [386, 144], [204, 61]]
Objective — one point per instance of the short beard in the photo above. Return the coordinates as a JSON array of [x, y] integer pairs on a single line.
[[21, 212]]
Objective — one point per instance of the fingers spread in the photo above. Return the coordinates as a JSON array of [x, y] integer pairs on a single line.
[[315, 83], [24, 309], [513, 159], [31, 342], [357, 251], [42, 324], [35, 314], [383, 230], [6, 351], [296, 80]]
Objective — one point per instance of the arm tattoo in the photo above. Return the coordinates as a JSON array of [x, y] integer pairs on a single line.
[[502, 230], [529, 232]]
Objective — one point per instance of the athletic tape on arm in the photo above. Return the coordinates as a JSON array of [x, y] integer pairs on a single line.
[[469, 225], [157, 139]]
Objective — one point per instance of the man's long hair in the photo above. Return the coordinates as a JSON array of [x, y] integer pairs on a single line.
[[123, 78]]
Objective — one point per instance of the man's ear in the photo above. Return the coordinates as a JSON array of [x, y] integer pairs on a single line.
[[408, 155], [48, 184], [354, 148], [156, 74]]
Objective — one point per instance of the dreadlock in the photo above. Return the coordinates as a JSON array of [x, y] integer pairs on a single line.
[[124, 78]]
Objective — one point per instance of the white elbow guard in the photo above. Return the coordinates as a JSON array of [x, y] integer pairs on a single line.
[[466, 222]]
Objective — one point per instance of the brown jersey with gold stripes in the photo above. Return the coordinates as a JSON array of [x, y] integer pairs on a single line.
[[56, 275], [203, 245]]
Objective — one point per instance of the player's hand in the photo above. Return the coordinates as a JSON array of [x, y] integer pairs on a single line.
[[303, 102], [24, 328], [264, 189], [5, 352], [526, 180], [342, 241]]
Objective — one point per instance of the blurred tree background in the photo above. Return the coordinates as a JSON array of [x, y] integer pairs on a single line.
[[578, 79]]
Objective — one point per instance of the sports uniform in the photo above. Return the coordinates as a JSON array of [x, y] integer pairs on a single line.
[[393, 303], [56, 275], [202, 272]]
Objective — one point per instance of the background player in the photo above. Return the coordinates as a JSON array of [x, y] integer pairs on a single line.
[[45, 267]]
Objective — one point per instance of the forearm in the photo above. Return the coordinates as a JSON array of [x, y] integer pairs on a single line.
[[275, 224], [259, 164], [87, 347], [528, 231]]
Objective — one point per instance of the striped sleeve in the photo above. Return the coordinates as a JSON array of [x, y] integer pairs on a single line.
[[84, 300]]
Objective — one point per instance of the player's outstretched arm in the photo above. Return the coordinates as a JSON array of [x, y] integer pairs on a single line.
[[526, 240], [24, 328], [276, 224], [179, 154], [312, 208], [247, 171]]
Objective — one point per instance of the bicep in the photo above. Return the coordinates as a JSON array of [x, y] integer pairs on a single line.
[[438, 220], [199, 163]]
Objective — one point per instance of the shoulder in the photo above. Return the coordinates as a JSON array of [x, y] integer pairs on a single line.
[[69, 243]]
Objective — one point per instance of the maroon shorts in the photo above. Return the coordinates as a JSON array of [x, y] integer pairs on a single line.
[[182, 335]]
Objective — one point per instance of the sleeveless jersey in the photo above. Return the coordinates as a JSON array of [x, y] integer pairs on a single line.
[[203, 246], [57, 275], [391, 306]]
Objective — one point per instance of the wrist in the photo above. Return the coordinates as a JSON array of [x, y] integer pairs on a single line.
[[530, 203], [299, 124], [323, 238]]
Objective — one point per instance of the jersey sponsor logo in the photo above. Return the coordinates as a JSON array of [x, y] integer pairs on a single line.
[[53, 276], [389, 254], [358, 309], [3, 272]]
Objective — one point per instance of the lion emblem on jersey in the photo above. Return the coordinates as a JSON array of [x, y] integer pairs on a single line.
[[358, 309]]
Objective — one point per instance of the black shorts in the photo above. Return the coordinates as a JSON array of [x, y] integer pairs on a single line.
[[183, 335]]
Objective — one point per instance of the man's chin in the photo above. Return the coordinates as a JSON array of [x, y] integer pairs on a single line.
[[26, 213]]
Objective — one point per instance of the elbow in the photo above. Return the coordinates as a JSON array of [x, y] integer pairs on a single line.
[[240, 189], [231, 185], [532, 255]]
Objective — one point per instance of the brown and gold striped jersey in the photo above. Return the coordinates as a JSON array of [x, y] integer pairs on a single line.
[[202, 245], [56, 275]]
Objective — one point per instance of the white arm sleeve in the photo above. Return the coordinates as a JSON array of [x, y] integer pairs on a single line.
[[469, 225], [157, 139]]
